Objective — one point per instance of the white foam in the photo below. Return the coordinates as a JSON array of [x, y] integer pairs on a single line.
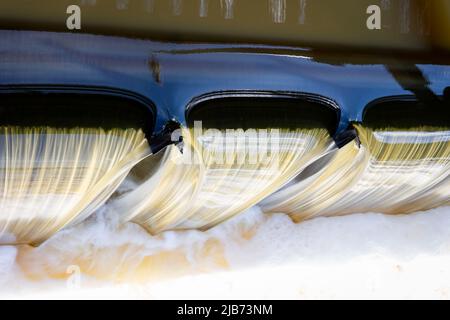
[[357, 256], [7, 262]]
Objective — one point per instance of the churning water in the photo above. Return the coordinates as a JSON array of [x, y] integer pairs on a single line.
[[253, 255]]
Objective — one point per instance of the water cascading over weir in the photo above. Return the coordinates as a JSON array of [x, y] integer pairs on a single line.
[[184, 115], [62, 156], [234, 153]]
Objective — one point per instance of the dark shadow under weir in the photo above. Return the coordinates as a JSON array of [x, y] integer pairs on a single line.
[[258, 111], [26, 107], [407, 112]]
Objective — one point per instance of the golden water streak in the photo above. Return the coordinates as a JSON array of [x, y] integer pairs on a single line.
[[393, 171], [193, 190], [50, 178]]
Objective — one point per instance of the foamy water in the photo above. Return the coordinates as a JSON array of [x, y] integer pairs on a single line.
[[251, 256]]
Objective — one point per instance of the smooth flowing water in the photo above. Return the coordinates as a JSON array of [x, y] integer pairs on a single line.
[[51, 178], [218, 175], [391, 171]]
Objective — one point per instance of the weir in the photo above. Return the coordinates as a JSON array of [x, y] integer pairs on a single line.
[[147, 140], [399, 164], [236, 151]]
